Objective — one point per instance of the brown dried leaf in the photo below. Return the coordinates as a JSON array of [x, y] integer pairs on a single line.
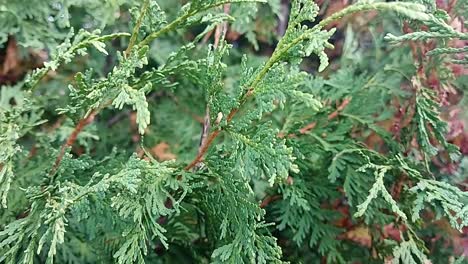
[[360, 235], [162, 153], [11, 57]]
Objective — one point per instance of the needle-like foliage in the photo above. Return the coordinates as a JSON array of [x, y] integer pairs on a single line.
[[102, 161]]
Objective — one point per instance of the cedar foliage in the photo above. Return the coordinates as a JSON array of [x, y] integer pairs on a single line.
[[286, 156]]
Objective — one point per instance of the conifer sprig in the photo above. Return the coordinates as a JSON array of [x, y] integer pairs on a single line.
[[413, 11], [190, 12], [349, 163]]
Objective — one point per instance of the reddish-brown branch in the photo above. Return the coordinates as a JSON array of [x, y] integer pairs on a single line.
[[231, 114], [207, 37], [220, 32], [331, 116], [269, 199], [72, 138], [204, 147], [308, 128], [203, 150], [340, 108], [451, 5]]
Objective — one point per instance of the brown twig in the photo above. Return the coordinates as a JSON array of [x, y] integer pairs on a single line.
[[206, 127], [269, 199], [207, 37], [276, 56], [340, 108], [308, 128], [204, 148], [219, 32], [283, 18], [72, 138], [331, 116], [451, 5], [90, 117]]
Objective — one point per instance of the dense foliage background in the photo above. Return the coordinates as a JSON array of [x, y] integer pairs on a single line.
[[241, 131]]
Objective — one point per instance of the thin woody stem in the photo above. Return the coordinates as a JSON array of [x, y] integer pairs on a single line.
[[72, 138], [204, 148], [276, 57], [90, 117], [220, 33]]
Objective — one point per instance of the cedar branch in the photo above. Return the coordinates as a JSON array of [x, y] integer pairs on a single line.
[[278, 53], [72, 138]]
